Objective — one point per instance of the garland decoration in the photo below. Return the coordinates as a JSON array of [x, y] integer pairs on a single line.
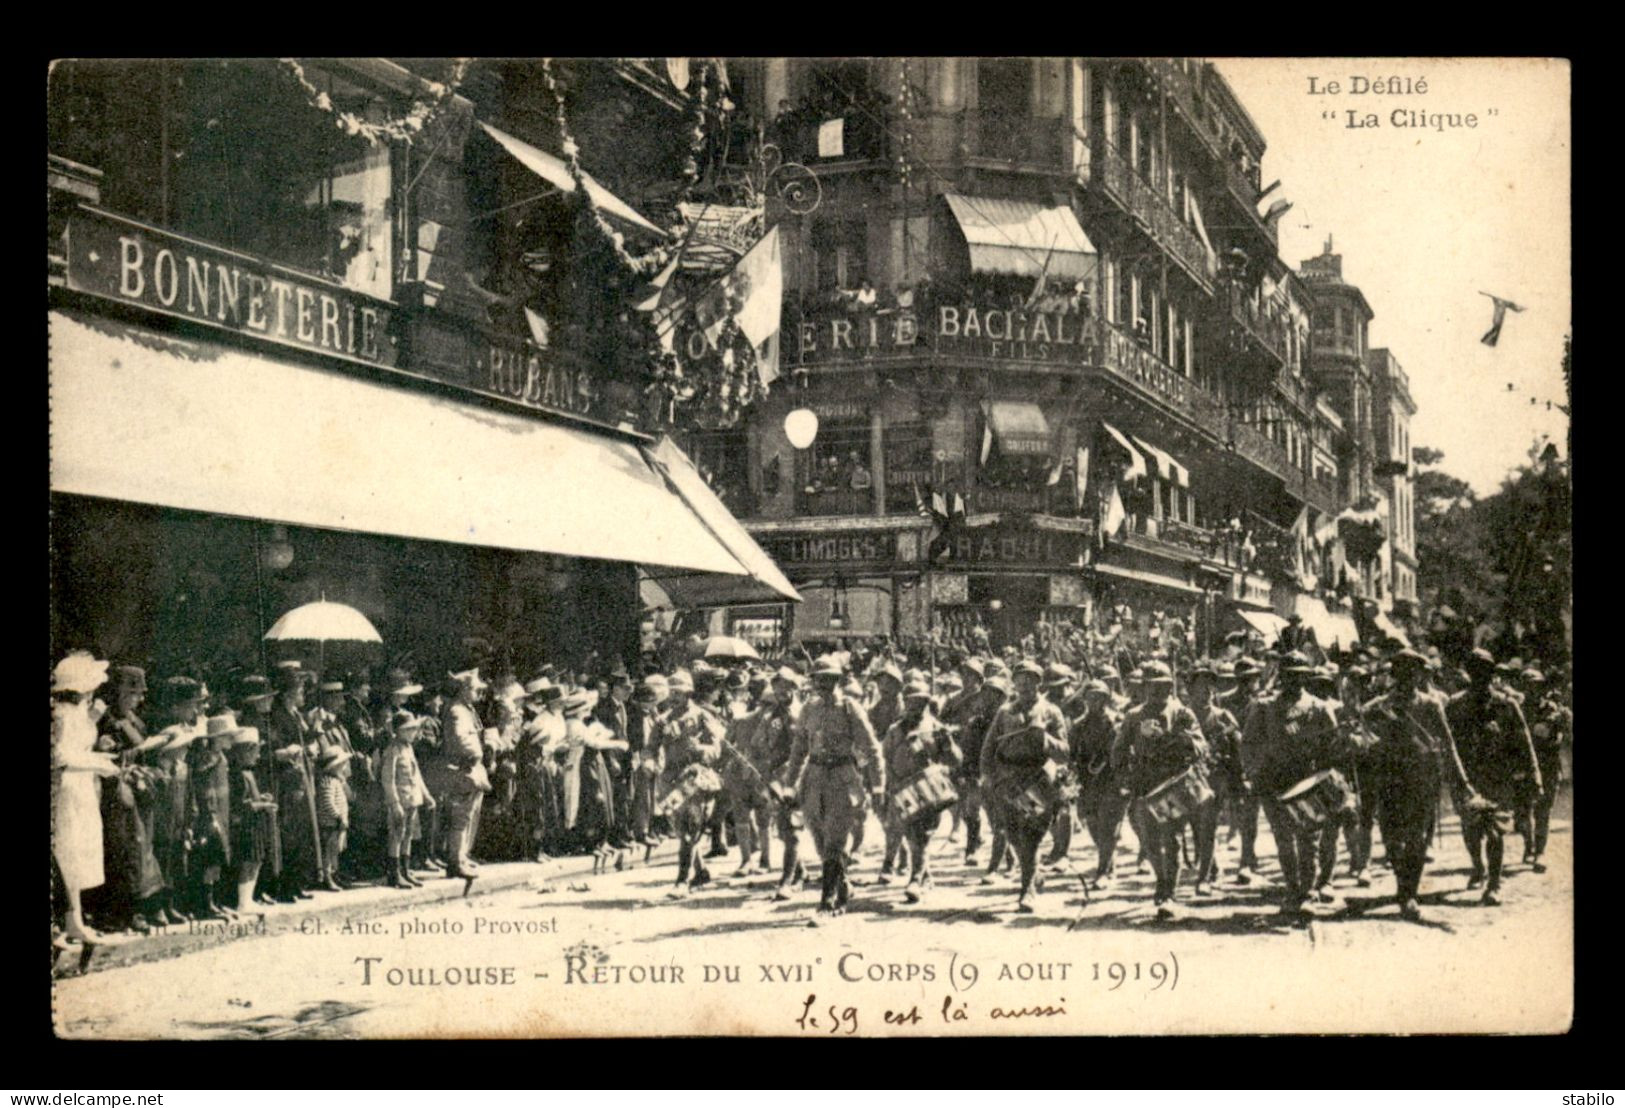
[[646, 265], [404, 129]]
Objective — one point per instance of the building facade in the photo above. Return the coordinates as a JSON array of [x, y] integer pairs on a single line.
[[1059, 370], [317, 331]]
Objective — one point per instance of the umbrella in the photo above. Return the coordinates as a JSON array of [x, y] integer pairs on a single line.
[[726, 646], [323, 621]]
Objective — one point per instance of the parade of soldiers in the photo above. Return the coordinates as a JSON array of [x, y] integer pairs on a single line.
[[285, 786]]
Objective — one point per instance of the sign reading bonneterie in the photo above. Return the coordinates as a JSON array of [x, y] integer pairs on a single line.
[[135, 264]]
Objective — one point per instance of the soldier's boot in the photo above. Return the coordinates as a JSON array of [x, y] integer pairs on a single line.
[[826, 895], [842, 887], [393, 878]]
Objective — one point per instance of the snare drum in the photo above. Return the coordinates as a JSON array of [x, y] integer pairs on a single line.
[[696, 780], [1314, 800], [927, 792], [1174, 801]]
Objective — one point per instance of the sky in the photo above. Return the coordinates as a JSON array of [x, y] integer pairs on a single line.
[[1426, 219]]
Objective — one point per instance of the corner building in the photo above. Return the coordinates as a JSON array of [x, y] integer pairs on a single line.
[[1041, 289]]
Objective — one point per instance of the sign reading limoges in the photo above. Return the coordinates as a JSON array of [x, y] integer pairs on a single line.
[[135, 264], [1009, 546], [833, 546]]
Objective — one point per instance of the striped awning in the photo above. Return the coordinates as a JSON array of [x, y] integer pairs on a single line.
[[1021, 238], [1136, 465], [1018, 426], [1167, 468]]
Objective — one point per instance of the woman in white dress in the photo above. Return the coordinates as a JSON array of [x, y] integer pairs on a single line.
[[76, 818]]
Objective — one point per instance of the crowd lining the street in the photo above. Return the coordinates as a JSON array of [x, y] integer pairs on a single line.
[[177, 801]]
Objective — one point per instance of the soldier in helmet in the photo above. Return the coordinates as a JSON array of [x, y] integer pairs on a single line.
[[972, 711], [693, 747], [913, 744], [1100, 797], [1287, 737], [1238, 701], [1498, 754], [1550, 724], [1160, 740], [833, 756], [1022, 759], [1224, 775]]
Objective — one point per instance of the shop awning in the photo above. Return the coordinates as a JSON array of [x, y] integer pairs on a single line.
[[1167, 468], [1330, 628], [555, 172], [1148, 578], [1018, 426], [1267, 624], [199, 426], [1137, 466], [765, 582], [1022, 238]]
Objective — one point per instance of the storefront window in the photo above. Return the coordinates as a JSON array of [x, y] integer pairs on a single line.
[[909, 469], [838, 478], [234, 154]]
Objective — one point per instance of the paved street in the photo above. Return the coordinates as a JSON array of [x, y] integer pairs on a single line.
[[613, 953]]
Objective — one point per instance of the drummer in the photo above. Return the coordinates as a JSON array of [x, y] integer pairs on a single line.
[[1160, 741], [1026, 745], [915, 743], [1223, 736], [1287, 737]]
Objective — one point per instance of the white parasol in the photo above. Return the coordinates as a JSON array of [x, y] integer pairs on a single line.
[[727, 646], [322, 622]]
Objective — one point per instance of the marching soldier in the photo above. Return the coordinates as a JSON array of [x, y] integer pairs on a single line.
[[693, 743], [771, 744], [1348, 752], [1223, 735], [914, 744], [971, 711], [836, 746], [1287, 737], [1413, 748], [1058, 679], [1498, 754], [1550, 729], [1100, 795], [1022, 759], [1160, 740], [1238, 701]]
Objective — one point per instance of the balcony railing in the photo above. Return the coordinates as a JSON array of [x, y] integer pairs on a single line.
[[1119, 180], [836, 502], [1270, 333]]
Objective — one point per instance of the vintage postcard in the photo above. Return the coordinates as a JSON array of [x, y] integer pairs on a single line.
[[812, 547]]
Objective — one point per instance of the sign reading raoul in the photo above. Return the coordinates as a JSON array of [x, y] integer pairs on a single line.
[[122, 260]]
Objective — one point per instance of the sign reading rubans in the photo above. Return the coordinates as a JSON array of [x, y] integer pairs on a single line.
[[835, 546], [135, 264]]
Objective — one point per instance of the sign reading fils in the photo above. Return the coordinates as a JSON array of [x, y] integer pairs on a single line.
[[131, 263]]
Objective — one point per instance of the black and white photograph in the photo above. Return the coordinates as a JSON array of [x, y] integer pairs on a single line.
[[809, 547]]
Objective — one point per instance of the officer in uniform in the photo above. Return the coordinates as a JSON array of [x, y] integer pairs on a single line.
[[971, 711], [1160, 740], [912, 744], [1100, 795], [833, 755], [1412, 750], [1288, 736], [1023, 758], [467, 779], [1498, 754], [1223, 735]]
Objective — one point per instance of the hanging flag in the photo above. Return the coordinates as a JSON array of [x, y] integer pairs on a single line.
[[832, 138], [987, 441], [1043, 278], [538, 328], [752, 294], [649, 299], [1115, 515], [1082, 474], [1493, 335], [1055, 473]]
